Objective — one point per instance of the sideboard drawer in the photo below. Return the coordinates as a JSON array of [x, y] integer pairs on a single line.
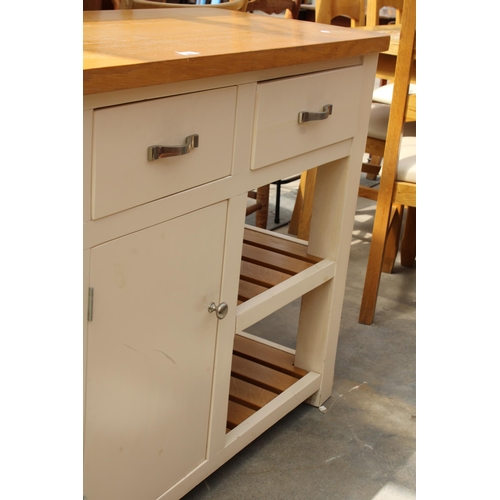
[[122, 175], [278, 135]]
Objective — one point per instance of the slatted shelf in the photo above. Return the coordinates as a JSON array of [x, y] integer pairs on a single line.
[[275, 358], [279, 245], [261, 375], [258, 374], [268, 260], [237, 413], [249, 395], [247, 290]]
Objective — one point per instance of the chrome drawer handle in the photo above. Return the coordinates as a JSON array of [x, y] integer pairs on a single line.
[[220, 310], [158, 152], [307, 116]]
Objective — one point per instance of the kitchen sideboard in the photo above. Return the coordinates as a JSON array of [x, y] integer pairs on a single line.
[[184, 114]]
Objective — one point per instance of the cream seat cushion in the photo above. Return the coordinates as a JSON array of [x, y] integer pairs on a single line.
[[407, 167], [384, 93], [379, 120]]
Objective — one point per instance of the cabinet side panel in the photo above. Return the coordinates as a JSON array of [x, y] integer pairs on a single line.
[[87, 163]]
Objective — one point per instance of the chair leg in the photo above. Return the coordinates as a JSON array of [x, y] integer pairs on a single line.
[[293, 227], [375, 162], [278, 199], [306, 214], [409, 241], [262, 199], [392, 243], [375, 261]]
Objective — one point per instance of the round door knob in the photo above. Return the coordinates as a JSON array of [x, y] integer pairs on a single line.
[[220, 310]]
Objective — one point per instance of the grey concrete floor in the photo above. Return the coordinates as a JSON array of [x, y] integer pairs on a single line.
[[361, 444]]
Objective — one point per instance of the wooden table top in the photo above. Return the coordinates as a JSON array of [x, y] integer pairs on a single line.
[[394, 31], [126, 49]]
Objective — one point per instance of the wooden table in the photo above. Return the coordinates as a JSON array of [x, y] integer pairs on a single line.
[[387, 60], [174, 387]]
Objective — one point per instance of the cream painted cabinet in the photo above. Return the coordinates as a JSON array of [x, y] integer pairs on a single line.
[[174, 389], [151, 345]]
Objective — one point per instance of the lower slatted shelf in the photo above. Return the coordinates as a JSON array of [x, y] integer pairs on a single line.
[[258, 374]]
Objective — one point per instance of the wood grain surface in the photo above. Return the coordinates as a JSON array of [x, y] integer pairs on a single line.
[[126, 49]]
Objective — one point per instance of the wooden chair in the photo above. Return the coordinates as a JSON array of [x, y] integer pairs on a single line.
[[260, 205], [373, 10], [290, 7], [379, 119], [240, 5], [377, 133], [328, 10], [101, 4], [383, 95], [397, 187]]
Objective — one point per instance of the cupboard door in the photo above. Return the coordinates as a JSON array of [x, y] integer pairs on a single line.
[[151, 347]]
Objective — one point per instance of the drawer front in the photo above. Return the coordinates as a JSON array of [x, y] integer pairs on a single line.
[[278, 135], [123, 177]]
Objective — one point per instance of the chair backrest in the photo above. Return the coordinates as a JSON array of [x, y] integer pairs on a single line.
[[291, 7], [327, 10], [399, 103], [240, 5], [373, 10]]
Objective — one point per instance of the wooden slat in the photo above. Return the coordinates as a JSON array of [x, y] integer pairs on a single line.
[[273, 260], [369, 168], [375, 146], [307, 207], [293, 228], [411, 108], [260, 375], [249, 290], [266, 355], [261, 275], [237, 413], [249, 395], [279, 245], [405, 193], [274, 6], [386, 68], [366, 192]]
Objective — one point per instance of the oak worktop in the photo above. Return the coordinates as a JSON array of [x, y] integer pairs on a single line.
[[127, 49]]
